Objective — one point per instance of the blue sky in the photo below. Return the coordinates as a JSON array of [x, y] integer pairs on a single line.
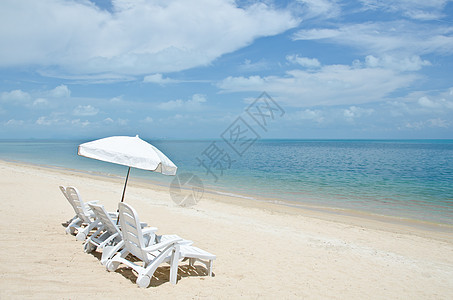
[[174, 69]]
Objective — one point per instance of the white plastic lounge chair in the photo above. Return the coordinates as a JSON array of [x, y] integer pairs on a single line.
[[134, 243], [83, 222], [83, 215], [63, 190], [195, 254], [183, 251], [108, 236]]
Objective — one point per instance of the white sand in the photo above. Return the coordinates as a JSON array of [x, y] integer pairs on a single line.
[[263, 250]]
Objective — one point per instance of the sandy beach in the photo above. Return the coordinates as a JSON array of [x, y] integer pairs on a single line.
[[263, 250]]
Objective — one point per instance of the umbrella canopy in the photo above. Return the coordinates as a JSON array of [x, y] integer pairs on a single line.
[[128, 151]]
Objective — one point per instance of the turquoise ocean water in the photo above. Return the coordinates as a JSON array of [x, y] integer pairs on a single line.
[[401, 178]]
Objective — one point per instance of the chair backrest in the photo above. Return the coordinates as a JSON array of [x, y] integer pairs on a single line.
[[63, 190], [103, 216], [132, 231], [77, 203]]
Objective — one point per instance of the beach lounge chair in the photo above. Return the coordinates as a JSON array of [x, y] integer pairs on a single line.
[[66, 224], [136, 245], [194, 254], [83, 221], [108, 236]]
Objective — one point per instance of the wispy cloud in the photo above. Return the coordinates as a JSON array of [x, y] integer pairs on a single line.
[[328, 85], [61, 91], [392, 38], [412, 63], [253, 66], [322, 9], [85, 110], [15, 97], [36, 98], [354, 112], [158, 79], [303, 61], [414, 9], [195, 103]]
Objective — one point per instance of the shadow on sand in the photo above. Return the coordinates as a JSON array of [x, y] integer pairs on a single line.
[[161, 275]]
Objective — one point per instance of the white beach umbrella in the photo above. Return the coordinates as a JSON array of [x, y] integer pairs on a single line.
[[128, 151]]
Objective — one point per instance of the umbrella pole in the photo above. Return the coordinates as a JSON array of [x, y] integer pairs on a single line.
[[124, 192], [125, 183]]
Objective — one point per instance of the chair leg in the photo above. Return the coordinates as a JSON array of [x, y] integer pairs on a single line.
[[210, 267], [174, 265], [191, 261], [73, 225]]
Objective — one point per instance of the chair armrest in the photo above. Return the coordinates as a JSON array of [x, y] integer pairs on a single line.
[[148, 230], [110, 238], [166, 237], [143, 225], [161, 245]]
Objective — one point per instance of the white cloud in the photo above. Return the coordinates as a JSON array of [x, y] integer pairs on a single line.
[[430, 123], [307, 114], [99, 78], [14, 122], [172, 104], [440, 103], [241, 83], [44, 121], [116, 100], [195, 103], [319, 8], [303, 61], [147, 120], [122, 122], [415, 125], [61, 91], [380, 38], [354, 112], [137, 37], [40, 102], [78, 122], [424, 103], [16, 97], [85, 110], [250, 66], [438, 122], [328, 85], [415, 9], [413, 63], [159, 79]]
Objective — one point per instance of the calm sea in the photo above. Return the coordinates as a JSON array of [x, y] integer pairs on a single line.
[[402, 178]]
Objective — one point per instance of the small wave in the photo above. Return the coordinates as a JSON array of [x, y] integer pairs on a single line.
[[235, 195]]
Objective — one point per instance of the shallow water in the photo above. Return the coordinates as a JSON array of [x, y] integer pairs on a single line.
[[402, 178]]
